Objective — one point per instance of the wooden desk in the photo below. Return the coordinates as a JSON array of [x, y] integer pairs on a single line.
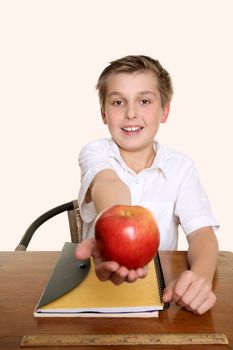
[[23, 276]]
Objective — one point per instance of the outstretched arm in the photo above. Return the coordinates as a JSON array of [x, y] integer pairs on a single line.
[[105, 191], [193, 289]]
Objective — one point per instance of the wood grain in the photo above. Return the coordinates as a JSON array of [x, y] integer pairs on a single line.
[[23, 275]]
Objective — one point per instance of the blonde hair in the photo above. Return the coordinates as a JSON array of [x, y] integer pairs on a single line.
[[135, 63]]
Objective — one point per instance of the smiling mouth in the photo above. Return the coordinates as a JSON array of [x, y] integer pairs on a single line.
[[133, 129]]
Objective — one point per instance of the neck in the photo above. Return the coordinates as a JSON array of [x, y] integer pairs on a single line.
[[139, 160]]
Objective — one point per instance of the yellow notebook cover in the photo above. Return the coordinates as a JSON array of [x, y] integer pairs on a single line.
[[92, 297]]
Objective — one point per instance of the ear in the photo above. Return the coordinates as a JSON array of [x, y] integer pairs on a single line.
[[104, 118], [165, 113]]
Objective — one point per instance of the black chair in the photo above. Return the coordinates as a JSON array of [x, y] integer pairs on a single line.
[[75, 224]]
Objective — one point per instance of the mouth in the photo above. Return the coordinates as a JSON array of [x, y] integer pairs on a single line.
[[132, 129]]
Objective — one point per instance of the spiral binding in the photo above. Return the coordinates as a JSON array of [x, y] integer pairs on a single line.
[[160, 279]]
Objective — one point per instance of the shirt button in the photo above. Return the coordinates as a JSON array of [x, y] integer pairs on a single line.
[[137, 181]]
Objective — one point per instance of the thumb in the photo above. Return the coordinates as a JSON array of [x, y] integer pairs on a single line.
[[168, 293], [85, 249]]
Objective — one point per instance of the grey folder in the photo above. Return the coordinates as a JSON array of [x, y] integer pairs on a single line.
[[67, 274]]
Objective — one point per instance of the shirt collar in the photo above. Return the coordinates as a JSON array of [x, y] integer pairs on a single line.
[[114, 150], [160, 161], [115, 153]]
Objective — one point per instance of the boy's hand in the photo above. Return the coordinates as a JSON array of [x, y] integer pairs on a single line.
[[108, 270], [191, 291]]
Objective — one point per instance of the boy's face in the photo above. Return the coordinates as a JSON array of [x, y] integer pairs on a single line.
[[133, 110]]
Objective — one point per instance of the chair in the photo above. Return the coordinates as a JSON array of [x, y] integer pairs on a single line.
[[75, 224]]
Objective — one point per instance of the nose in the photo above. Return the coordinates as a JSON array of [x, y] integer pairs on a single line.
[[131, 112]]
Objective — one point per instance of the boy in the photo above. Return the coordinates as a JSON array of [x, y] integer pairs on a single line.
[[132, 168]]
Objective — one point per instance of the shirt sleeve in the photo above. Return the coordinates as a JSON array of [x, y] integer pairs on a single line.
[[192, 206], [93, 158]]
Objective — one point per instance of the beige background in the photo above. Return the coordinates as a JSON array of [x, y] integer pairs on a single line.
[[51, 55]]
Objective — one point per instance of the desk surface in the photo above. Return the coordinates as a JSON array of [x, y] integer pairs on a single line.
[[23, 276]]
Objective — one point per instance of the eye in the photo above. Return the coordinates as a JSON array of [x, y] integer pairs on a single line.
[[144, 102], [117, 103]]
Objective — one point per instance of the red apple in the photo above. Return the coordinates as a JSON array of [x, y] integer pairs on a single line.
[[128, 235]]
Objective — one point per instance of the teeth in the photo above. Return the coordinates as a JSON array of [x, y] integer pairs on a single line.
[[134, 128]]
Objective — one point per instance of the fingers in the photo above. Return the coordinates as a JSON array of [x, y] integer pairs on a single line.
[[195, 294], [122, 274], [105, 270], [89, 248], [168, 293], [85, 249], [108, 270], [207, 304], [142, 271], [192, 292], [118, 274]]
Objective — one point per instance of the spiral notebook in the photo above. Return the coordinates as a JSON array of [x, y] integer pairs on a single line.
[[73, 290]]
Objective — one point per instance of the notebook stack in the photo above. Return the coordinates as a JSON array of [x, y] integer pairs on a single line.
[[73, 290]]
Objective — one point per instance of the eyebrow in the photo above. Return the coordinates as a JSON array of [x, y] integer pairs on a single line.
[[118, 93]]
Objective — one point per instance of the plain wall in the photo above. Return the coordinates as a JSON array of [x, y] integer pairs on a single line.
[[52, 53]]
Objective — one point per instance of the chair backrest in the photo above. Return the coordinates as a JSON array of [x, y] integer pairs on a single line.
[[75, 223]]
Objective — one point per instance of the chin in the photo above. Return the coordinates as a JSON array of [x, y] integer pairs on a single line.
[[134, 146]]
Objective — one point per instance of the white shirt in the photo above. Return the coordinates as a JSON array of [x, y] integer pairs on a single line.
[[170, 188]]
